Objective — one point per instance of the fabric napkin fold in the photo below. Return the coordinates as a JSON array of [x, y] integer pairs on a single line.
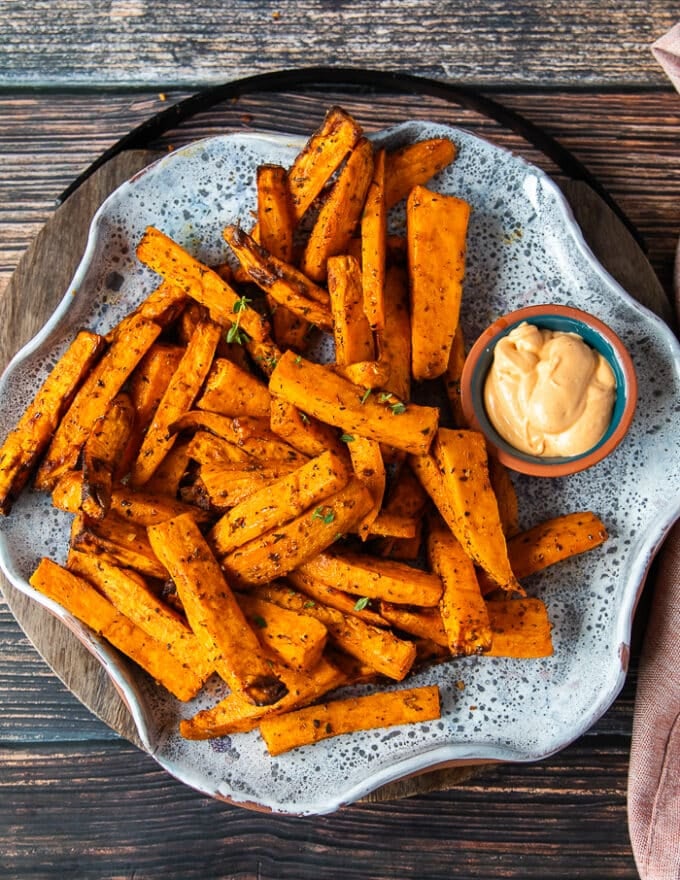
[[666, 50], [654, 774], [654, 771]]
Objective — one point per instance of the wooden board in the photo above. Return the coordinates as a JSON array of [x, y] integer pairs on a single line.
[[132, 42], [34, 290]]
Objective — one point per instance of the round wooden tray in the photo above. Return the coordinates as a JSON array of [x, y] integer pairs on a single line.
[[45, 271]]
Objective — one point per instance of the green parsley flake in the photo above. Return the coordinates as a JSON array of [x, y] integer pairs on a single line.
[[235, 333], [325, 514]]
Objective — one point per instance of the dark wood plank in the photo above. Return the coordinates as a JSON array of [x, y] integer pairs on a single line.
[[132, 42], [629, 141], [111, 812]]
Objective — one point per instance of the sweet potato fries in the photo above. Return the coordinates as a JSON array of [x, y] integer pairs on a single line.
[[243, 510]]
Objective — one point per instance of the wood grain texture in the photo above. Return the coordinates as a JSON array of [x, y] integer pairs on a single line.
[[628, 141], [138, 42], [134, 820], [80, 800]]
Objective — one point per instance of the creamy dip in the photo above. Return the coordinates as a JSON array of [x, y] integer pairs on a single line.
[[548, 393]]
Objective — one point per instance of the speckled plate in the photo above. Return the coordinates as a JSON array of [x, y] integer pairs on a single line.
[[524, 248]]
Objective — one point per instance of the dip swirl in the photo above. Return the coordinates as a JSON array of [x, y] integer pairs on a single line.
[[548, 393]]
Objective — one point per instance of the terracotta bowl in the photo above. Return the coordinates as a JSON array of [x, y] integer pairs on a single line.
[[551, 317]]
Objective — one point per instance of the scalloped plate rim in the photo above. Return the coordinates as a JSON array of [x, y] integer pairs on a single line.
[[447, 754]]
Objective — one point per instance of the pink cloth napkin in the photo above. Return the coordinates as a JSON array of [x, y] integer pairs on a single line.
[[654, 774], [666, 50]]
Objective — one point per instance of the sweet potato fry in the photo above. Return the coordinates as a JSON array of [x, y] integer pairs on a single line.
[[377, 647], [309, 436], [463, 610], [234, 714], [364, 575], [142, 508], [151, 378], [413, 165], [27, 441], [454, 370], [162, 306], [213, 612], [102, 384], [264, 354], [392, 525], [317, 590], [286, 547], [282, 281], [370, 375], [407, 497], [462, 459], [251, 436], [117, 539], [298, 639], [276, 225], [519, 628], [102, 454], [506, 496], [290, 730], [146, 387], [424, 623], [550, 542], [403, 548], [87, 605], [369, 467], [321, 156], [394, 340], [129, 593], [276, 222], [280, 502], [430, 477], [351, 330], [160, 253], [374, 245], [227, 485], [316, 390], [436, 237], [232, 391], [340, 213], [168, 475], [184, 386]]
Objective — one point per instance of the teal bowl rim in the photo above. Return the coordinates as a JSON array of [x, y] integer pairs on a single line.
[[551, 317]]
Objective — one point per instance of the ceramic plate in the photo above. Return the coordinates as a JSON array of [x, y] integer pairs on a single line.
[[524, 248]]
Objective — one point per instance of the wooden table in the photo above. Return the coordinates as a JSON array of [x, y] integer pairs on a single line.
[[79, 801]]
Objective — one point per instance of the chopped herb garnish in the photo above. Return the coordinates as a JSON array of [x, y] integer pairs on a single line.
[[347, 438], [310, 603], [241, 304], [398, 408], [384, 397], [259, 621], [298, 359], [304, 418], [364, 397], [235, 333], [362, 603], [325, 514]]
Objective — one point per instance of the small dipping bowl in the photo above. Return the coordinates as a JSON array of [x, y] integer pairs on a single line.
[[594, 333]]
